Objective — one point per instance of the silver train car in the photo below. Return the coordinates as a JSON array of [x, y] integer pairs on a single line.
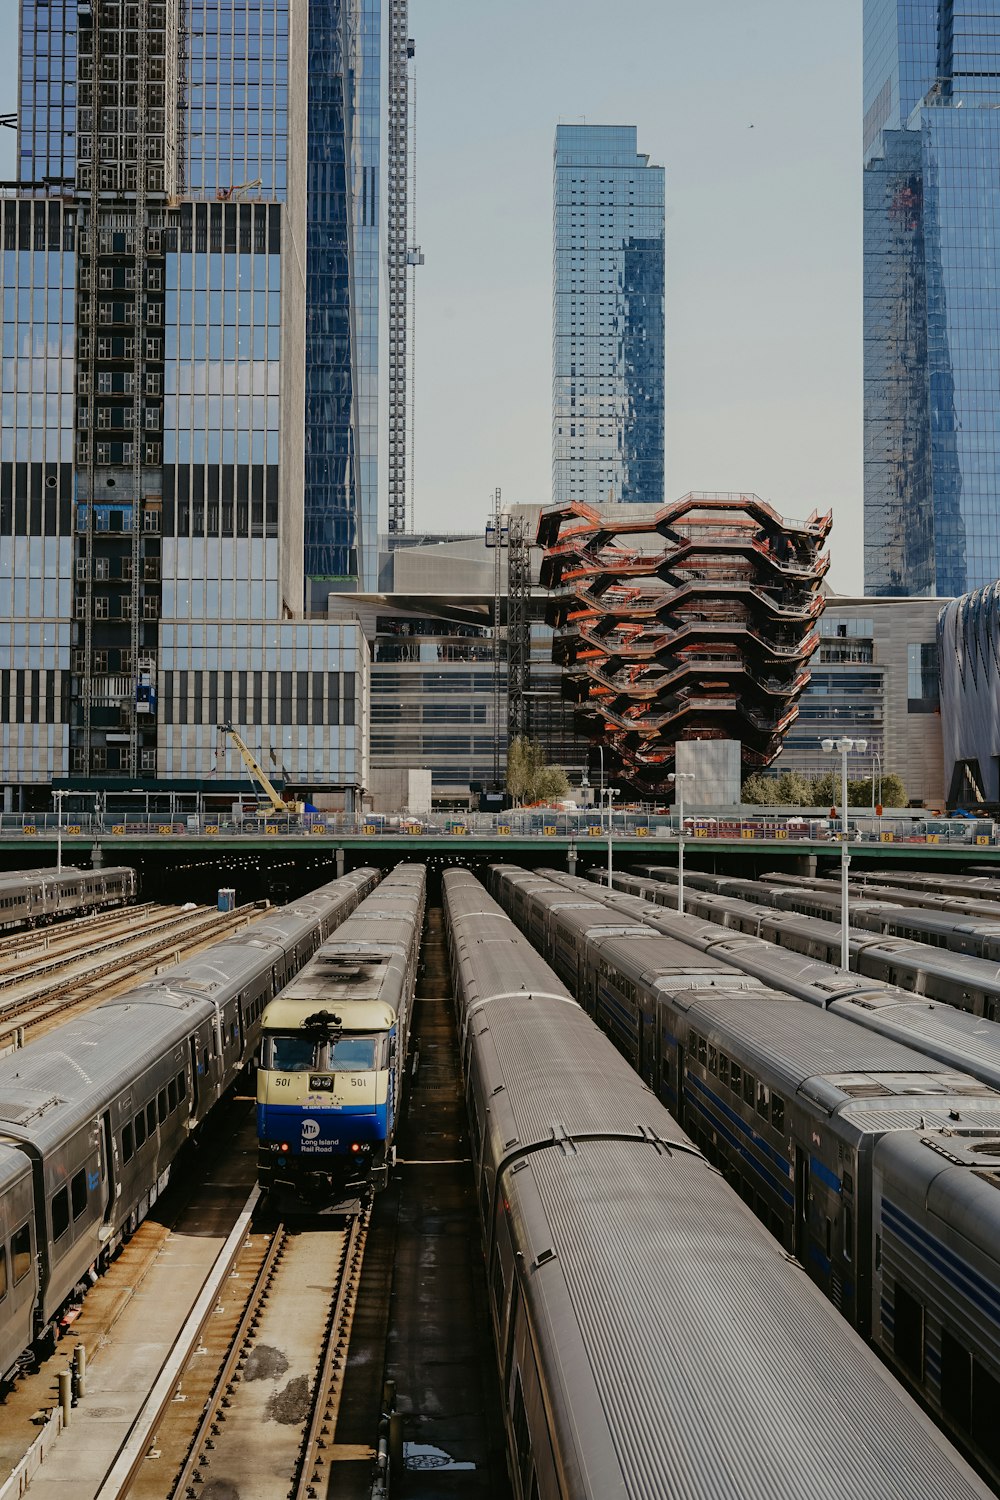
[[651, 1337], [969, 983], [30, 898], [924, 897], [974, 887], [93, 1116], [977, 936], [789, 1101], [952, 1037], [333, 1056]]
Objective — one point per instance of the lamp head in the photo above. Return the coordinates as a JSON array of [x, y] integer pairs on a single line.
[[861, 745], [827, 745]]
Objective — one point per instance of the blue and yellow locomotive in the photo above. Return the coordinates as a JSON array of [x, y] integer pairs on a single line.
[[333, 1050]]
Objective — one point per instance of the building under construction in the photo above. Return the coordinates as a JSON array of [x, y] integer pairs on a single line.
[[693, 621]]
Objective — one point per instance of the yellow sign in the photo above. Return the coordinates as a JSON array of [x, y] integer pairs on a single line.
[[887, 838], [594, 831], [29, 829], [272, 828], [370, 828], [118, 828], [501, 828], [640, 833], [166, 828], [701, 833], [458, 828], [73, 828], [982, 838], [934, 838], [317, 828], [211, 828], [749, 833], [549, 829], [781, 833]]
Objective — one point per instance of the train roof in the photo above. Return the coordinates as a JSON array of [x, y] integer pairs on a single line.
[[286, 1014], [61, 1081], [954, 1174], [683, 1319]]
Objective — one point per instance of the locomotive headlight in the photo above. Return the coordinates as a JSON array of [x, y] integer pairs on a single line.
[[284, 1146]]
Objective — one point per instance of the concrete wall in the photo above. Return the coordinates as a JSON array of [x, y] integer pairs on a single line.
[[715, 766]]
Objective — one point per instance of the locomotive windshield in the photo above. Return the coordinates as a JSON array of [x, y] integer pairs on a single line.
[[299, 1054]]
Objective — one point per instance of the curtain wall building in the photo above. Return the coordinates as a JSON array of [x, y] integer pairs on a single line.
[[931, 295], [189, 403], [608, 319]]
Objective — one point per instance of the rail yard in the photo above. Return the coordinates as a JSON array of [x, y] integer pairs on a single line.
[[504, 1183]]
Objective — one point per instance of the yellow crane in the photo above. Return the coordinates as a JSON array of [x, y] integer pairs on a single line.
[[277, 803]]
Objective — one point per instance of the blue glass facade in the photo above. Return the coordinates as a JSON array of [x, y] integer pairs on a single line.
[[342, 302], [608, 318], [46, 113], [932, 298]]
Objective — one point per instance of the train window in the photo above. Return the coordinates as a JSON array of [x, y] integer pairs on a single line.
[[713, 1060], [848, 1232], [908, 1335], [171, 1096], [777, 1112], [848, 1183], [182, 1085], [161, 1106], [723, 1069], [151, 1117], [3, 1272], [20, 1253], [78, 1193], [204, 1061], [128, 1145], [292, 1054], [956, 1380], [985, 1404], [60, 1213], [749, 1088], [763, 1101], [735, 1077], [498, 1284], [703, 1051], [522, 1438], [140, 1129], [829, 1238]]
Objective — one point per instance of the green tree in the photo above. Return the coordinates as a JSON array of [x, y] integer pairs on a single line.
[[794, 789], [529, 777], [758, 790]]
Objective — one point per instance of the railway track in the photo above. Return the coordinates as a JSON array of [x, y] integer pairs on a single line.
[[69, 927], [254, 1408], [49, 951], [73, 982]]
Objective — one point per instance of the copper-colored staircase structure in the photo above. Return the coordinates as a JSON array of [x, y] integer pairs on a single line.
[[693, 621]]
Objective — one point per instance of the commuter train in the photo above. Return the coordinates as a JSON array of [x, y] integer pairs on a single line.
[[959, 979], [333, 1054], [802, 1112], [925, 897], [951, 1037], [29, 898], [651, 1338], [977, 936], [93, 1115]]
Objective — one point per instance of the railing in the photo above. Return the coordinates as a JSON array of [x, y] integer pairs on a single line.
[[541, 823]]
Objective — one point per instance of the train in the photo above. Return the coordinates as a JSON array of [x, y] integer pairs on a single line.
[[94, 1115], [952, 1037], [960, 979], [29, 898], [803, 1112], [333, 1055], [651, 1337], [974, 935]]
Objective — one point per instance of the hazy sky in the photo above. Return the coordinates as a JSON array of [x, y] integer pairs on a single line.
[[763, 250]]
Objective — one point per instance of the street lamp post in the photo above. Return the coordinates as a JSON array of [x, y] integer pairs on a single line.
[[57, 798], [831, 747], [612, 793], [678, 778]]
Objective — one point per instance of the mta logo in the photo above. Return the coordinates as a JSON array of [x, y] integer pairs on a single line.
[[93, 1181], [310, 1130]]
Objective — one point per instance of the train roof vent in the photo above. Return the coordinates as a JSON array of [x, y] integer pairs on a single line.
[[993, 1178], [23, 1114], [988, 1146], [860, 1086]]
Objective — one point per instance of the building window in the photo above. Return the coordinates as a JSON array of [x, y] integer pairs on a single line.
[[922, 678]]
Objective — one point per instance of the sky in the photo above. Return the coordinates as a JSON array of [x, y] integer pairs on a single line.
[[753, 107]]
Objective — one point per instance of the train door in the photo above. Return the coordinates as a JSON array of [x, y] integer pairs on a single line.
[[679, 1106], [109, 1165], [801, 1243], [647, 1052]]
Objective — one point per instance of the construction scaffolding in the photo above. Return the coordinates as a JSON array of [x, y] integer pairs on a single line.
[[518, 628], [696, 620], [397, 248]]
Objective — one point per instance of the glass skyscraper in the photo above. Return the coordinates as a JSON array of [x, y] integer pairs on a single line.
[[188, 404], [608, 318], [931, 295]]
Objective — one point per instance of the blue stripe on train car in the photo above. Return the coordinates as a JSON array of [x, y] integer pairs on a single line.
[[310, 1132], [956, 1272]]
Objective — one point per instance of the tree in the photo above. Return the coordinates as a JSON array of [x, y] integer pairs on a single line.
[[794, 789], [529, 777], [758, 790]]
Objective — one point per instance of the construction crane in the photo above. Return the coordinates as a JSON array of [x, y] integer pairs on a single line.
[[227, 194], [276, 802]]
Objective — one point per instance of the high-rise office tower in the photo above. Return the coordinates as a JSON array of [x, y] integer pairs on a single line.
[[608, 318], [931, 295], [189, 404]]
